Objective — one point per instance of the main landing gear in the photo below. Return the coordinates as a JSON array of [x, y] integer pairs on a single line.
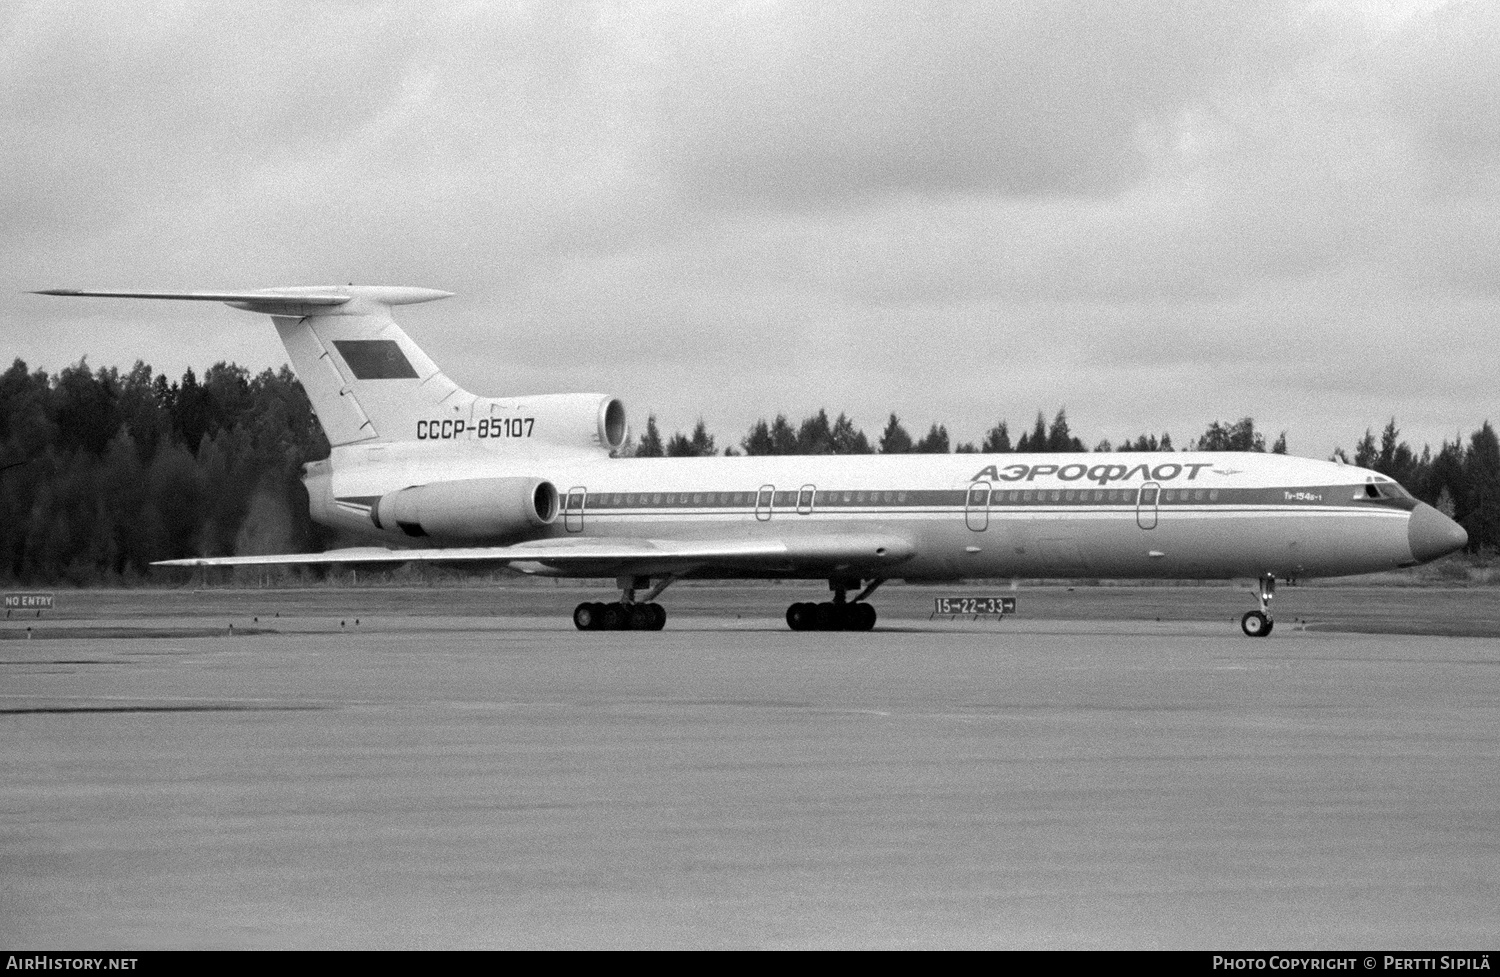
[[839, 614], [625, 614], [1258, 624]]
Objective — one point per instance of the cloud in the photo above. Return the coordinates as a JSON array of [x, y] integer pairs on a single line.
[[1439, 79], [1150, 212], [796, 105]]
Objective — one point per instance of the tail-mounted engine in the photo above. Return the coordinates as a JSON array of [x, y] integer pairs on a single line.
[[566, 420], [471, 509]]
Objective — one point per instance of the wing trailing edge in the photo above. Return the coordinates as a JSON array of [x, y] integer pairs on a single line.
[[611, 556]]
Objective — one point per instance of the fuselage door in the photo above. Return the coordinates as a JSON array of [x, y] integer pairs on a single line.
[[573, 508], [1145, 505], [977, 507], [805, 499], [763, 501]]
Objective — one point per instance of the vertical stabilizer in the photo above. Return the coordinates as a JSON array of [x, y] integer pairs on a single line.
[[365, 377]]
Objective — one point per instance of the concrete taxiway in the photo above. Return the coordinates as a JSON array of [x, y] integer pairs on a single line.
[[473, 781]]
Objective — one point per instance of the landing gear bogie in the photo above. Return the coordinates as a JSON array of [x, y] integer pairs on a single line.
[[830, 616], [619, 616], [843, 613]]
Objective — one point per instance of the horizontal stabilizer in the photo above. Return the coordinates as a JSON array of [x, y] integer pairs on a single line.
[[299, 301], [365, 378]]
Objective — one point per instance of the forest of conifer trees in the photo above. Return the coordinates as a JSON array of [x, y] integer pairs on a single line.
[[102, 472]]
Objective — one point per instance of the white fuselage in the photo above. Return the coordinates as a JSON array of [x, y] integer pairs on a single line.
[[1169, 515]]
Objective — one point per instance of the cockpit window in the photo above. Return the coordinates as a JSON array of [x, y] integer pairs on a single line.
[[1381, 490]]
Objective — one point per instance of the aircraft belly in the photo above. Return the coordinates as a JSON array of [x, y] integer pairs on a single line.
[[1286, 543], [1212, 545]]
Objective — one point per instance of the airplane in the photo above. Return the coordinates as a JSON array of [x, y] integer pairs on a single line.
[[422, 470]]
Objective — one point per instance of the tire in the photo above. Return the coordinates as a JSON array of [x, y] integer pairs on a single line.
[[616, 617], [658, 617], [586, 617], [863, 618], [1255, 624], [799, 617]]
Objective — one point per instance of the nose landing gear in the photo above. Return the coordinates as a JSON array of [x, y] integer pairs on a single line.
[[1258, 624]]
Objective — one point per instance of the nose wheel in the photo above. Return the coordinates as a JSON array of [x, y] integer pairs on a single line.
[[1258, 624], [1255, 624]]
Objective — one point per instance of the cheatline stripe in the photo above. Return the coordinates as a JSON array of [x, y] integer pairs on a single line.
[[1317, 497], [957, 515]]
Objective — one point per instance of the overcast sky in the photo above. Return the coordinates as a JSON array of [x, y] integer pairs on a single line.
[[1156, 214]]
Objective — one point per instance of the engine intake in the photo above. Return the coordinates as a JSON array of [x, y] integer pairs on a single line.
[[570, 420], [471, 509]]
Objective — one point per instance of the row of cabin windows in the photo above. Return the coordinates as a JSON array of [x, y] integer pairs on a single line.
[[828, 498]]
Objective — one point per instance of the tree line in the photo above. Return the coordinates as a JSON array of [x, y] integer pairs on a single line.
[[817, 435], [102, 472]]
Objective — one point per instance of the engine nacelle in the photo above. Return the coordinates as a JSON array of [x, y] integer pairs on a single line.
[[473, 509], [569, 420]]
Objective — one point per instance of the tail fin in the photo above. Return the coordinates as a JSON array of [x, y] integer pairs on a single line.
[[365, 377]]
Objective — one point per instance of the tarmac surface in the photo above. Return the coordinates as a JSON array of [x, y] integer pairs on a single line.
[[440, 775]]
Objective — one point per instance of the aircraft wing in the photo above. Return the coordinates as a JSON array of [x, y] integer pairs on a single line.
[[255, 296], [609, 556]]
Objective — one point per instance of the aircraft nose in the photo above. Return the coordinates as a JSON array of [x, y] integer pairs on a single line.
[[1432, 534]]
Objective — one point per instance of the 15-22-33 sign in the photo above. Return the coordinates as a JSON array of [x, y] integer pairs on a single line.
[[973, 605]]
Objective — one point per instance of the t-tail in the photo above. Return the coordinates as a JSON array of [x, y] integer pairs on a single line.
[[369, 383]]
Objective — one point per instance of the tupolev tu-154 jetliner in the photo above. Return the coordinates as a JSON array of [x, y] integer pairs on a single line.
[[424, 470]]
